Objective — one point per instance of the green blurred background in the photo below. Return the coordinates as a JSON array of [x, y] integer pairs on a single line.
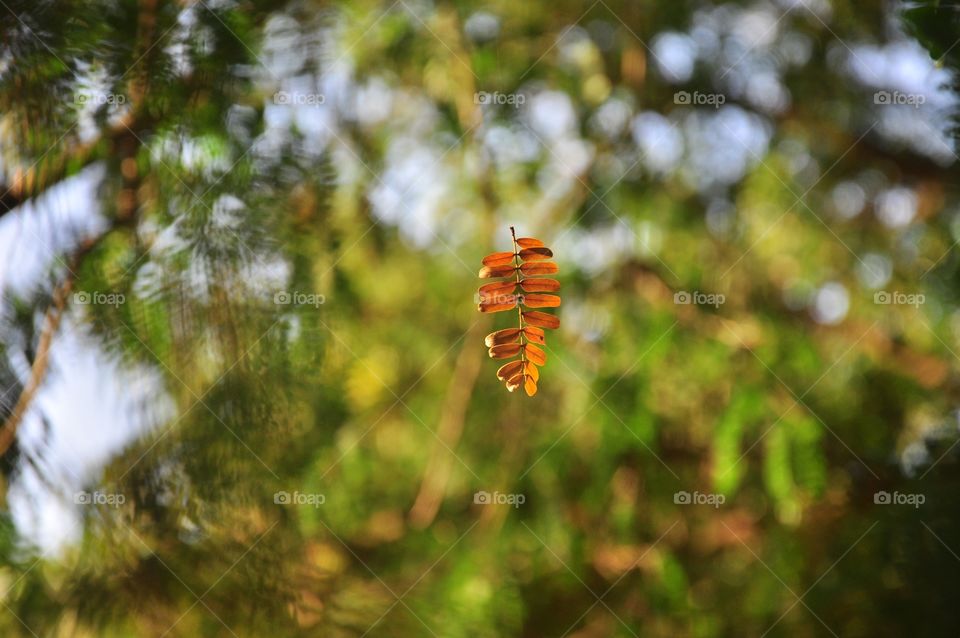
[[245, 391]]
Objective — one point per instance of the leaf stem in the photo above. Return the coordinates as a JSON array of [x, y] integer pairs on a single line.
[[516, 264]]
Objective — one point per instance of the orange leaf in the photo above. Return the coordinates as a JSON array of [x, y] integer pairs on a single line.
[[531, 370], [539, 285], [535, 354], [535, 300], [541, 319], [529, 259], [498, 259], [529, 386], [534, 337], [497, 288], [507, 370], [536, 268], [501, 337], [497, 271], [504, 351], [500, 303], [537, 253]]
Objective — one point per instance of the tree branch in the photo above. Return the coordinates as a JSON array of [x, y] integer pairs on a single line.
[[38, 370]]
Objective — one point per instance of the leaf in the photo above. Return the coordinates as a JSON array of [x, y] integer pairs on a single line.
[[500, 303], [537, 253], [538, 284], [499, 259], [505, 351], [498, 296], [529, 386], [541, 319], [507, 370], [535, 354], [510, 335], [535, 300], [536, 268], [497, 271], [531, 370], [497, 287], [534, 337]]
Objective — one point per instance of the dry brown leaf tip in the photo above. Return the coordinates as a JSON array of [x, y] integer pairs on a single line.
[[521, 268]]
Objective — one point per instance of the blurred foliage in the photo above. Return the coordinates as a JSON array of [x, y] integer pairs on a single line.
[[300, 278]]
